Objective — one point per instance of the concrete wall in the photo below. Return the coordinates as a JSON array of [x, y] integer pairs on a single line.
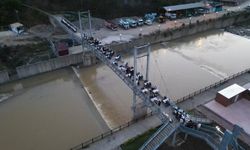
[[160, 36], [4, 76], [53, 64]]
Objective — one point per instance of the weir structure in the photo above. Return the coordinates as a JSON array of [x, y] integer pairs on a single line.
[[217, 139]]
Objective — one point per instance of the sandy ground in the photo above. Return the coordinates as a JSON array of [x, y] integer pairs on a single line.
[[9, 38]]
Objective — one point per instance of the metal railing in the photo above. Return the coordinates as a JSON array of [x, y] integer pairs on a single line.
[[202, 135], [165, 131], [109, 133], [216, 84]]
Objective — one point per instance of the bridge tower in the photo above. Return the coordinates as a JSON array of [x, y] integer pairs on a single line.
[[138, 107], [230, 138]]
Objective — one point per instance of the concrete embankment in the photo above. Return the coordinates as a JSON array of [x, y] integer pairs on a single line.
[[185, 30], [49, 65], [4, 76], [92, 99]]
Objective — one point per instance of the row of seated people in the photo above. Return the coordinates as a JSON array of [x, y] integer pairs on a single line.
[[184, 118], [146, 86]]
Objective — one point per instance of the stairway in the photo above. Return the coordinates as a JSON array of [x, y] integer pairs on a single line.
[[160, 136]]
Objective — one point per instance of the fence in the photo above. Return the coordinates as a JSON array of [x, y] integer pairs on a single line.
[[212, 86], [109, 133], [45, 66], [4, 76]]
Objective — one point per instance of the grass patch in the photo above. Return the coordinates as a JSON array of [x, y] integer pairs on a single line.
[[137, 142]]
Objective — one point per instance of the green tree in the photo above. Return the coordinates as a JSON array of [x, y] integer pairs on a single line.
[[8, 10]]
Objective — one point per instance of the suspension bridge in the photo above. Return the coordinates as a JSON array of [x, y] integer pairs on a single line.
[[170, 123]]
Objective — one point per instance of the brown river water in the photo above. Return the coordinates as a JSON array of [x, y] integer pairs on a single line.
[[52, 111]]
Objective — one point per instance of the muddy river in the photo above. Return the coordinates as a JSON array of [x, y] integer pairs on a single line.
[[48, 112], [52, 111]]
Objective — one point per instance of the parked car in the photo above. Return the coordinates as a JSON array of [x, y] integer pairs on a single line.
[[132, 22], [110, 25], [148, 22], [149, 18], [171, 16], [161, 19], [124, 23], [140, 22]]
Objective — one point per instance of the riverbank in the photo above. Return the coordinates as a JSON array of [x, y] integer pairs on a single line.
[[182, 29]]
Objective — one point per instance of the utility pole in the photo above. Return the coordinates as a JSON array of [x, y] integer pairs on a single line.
[[134, 103], [90, 24], [17, 16], [80, 25]]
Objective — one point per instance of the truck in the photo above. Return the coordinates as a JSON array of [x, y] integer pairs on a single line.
[[124, 24], [149, 18]]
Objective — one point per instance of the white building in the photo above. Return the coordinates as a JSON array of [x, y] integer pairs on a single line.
[[17, 27]]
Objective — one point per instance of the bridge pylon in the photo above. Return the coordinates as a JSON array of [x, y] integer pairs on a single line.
[[139, 108]]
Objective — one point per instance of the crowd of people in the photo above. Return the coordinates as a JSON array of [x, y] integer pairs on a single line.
[[144, 85]]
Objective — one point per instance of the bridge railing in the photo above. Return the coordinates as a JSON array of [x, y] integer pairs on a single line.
[[191, 95], [110, 132]]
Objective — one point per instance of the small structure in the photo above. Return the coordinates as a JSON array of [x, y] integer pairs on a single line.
[[247, 92], [230, 94], [17, 27], [231, 2], [191, 9], [62, 49]]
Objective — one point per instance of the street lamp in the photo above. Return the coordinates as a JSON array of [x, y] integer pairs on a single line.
[[140, 32], [17, 15], [217, 14], [120, 37], [190, 18]]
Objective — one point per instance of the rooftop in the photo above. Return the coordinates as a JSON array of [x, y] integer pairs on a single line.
[[232, 91], [247, 86], [17, 24], [237, 113], [184, 6]]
